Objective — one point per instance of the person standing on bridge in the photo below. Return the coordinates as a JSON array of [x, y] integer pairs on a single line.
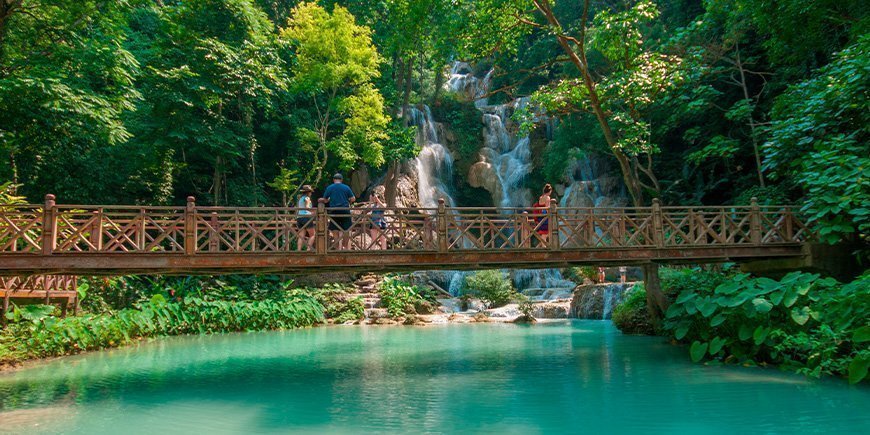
[[304, 225], [339, 197], [539, 209]]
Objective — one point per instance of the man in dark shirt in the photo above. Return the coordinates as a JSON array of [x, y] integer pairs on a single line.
[[340, 198]]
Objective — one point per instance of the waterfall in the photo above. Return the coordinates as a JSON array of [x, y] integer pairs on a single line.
[[507, 157], [434, 164]]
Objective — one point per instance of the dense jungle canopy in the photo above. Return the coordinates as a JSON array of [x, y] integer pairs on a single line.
[[239, 102]]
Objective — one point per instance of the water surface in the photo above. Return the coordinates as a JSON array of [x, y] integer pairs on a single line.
[[580, 376]]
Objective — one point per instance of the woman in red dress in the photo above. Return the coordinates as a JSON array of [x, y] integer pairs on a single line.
[[540, 209]]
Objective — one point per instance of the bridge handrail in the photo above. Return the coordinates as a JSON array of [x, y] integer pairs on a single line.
[[51, 229]]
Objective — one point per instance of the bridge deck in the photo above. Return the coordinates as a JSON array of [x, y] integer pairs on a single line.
[[86, 239]]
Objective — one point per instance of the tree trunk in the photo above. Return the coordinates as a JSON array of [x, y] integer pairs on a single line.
[[752, 133], [656, 302], [390, 184], [216, 183], [579, 60], [409, 70]]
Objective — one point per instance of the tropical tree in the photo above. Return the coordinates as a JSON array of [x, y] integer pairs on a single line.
[[334, 69]]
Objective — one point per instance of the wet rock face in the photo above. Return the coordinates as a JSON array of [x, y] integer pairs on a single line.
[[552, 310], [596, 301]]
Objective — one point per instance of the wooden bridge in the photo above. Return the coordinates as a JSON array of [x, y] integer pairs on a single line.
[[87, 239]]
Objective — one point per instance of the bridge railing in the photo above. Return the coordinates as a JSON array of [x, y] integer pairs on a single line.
[[61, 229]]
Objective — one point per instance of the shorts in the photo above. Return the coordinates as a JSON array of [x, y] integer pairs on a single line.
[[339, 220], [303, 222], [380, 223]]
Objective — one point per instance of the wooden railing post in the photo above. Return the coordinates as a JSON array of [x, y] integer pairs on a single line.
[[190, 226], [754, 221], [96, 235], [658, 224], [321, 223], [442, 225], [213, 244], [49, 225], [525, 231], [789, 224], [553, 226], [140, 231], [427, 232]]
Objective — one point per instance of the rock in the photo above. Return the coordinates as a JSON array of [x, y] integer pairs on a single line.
[[596, 301], [481, 318], [384, 321], [424, 307], [524, 319], [509, 310], [552, 310]]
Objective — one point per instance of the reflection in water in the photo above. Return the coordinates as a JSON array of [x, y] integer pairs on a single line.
[[555, 377]]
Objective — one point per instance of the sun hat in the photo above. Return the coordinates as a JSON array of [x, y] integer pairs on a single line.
[[306, 188]]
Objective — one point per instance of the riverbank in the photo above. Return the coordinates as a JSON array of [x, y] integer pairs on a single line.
[[802, 322]]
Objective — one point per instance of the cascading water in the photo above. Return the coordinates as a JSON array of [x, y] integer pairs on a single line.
[[506, 160], [434, 167], [434, 163]]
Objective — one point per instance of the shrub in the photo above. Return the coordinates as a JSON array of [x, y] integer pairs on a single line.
[[802, 322], [631, 316], [402, 298], [493, 287], [581, 274], [35, 332], [339, 303]]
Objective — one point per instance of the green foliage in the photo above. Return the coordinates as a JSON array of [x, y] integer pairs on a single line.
[[493, 287], [525, 306], [802, 322], [581, 273], [338, 303], [819, 138], [34, 332], [402, 298], [464, 121], [630, 315]]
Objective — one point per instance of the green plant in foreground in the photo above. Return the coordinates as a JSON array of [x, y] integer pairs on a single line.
[[339, 303], [36, 332], [402, 298], [493, 287], [802, 322]]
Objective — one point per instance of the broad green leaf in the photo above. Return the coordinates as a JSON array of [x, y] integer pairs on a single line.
[[762, 305], [681, 332], [707, 308], [697, 351], [718, 320], [674, 311], [716, 345], [861, 334], [776, 297], [685, 296], [790, 297], [760, 334], [745, 332], [800, 316], [858, 369], [728, 288]]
